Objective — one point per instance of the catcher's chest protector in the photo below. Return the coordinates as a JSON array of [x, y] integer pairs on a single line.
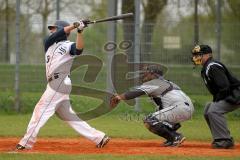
[[161, 86]]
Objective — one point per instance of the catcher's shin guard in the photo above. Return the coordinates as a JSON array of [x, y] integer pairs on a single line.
[[159, 128], [175, 127]]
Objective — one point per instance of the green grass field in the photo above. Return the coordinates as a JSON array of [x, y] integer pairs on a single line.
[[115, 125]]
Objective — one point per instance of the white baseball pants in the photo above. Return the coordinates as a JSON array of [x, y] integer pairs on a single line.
[[51, 102]]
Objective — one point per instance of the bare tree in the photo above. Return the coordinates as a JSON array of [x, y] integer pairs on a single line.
[[7, 10], [2, 4], [89, 8], [44, 8], [234, 6], [128, 26], [152, 9]]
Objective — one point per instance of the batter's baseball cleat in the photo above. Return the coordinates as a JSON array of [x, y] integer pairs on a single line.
[[178, 140], [104, 141], [20, 147]]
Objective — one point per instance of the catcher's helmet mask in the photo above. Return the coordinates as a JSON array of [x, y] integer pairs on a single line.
[[201, 49], [154, 69], [147, 72], [197, 53]]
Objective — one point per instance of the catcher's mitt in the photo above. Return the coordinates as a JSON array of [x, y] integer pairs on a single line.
[[114, 101]]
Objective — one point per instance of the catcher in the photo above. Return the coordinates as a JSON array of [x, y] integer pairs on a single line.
[[173, 105]]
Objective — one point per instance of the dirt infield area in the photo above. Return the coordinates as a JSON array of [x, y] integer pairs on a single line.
[[119, 147]]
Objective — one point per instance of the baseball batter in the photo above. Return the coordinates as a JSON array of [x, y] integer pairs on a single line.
[[59, 56], [173, 105]]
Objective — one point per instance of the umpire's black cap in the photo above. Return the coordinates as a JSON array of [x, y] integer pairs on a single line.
[[201, 49], [59, 23]]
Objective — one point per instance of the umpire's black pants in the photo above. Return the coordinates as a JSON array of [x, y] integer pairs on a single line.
[[214, 115]]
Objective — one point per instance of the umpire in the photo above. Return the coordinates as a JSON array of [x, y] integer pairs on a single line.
[[225, 89]]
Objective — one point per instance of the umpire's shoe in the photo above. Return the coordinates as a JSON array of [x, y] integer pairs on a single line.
[[223, 144], [103, 142]]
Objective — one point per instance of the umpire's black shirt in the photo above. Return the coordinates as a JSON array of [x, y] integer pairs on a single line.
[[218, 79]]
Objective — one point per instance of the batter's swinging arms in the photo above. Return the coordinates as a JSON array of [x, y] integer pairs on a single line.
[[59, 58]]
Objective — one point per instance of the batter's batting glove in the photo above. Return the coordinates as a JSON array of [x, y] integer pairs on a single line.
[[79, 25], [86, 22]]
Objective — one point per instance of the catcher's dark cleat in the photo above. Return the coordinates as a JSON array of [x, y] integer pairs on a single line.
[[104, 141], [167, 143], [178, 141], [20, 147]]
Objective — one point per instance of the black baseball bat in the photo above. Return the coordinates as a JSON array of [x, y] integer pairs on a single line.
[[113, 18]]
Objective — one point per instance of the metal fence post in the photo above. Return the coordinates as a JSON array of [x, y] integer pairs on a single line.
[[58, 9], [17, 96], [137, 44], [7, 32], [218, 28], [196, 23], [111, 36]]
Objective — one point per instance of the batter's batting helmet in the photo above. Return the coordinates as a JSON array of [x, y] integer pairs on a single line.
[[59, 24]]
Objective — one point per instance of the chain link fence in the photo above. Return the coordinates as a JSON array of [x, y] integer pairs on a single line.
[[169, 44]]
